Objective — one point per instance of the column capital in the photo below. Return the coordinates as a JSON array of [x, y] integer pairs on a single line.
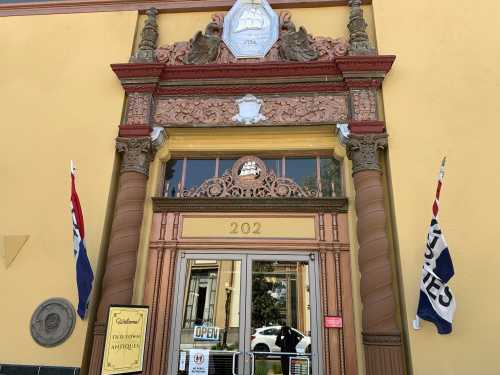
[[363, 149], [137, 154]]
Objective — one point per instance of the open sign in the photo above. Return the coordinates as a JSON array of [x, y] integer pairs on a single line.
[[203, 333]]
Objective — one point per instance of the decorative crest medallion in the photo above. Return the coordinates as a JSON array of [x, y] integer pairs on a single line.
[[249, 110], [249, 178], [53, 322], [250, 28]]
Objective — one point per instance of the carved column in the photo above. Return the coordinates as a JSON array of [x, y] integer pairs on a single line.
[[381, 334], [358, 37], [118, 280]]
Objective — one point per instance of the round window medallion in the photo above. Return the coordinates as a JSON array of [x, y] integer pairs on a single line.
[[53, 322], [249, 171]]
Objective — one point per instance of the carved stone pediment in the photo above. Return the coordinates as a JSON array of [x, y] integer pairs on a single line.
[[292, 45], [249, 178]]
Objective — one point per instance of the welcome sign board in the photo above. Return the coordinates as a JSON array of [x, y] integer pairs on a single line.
[[125, 339]]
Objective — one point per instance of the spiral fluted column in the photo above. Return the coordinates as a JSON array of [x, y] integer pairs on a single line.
[[118, 279], [381, 334]]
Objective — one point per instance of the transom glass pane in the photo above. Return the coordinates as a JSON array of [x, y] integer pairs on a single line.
[[197, 171], [274, 165], [331, 184], [173, 175], [225, 164], [302, 171]]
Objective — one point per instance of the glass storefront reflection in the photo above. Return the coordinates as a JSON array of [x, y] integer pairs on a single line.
[[281, 320], [211, 316]]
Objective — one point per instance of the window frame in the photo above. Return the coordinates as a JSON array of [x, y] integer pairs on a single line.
[[318, 155]]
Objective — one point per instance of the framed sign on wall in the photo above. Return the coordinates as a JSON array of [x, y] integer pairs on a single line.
[[125, 340]]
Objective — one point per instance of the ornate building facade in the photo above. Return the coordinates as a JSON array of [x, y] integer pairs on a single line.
[[249, 167]]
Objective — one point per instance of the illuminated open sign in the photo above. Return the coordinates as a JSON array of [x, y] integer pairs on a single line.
[[204, 333]]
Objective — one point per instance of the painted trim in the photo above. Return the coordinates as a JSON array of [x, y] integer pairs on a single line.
[[170, 6]]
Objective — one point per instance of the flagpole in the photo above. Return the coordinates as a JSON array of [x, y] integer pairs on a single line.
[[435, 210]]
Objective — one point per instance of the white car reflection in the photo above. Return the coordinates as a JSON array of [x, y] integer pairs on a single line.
[[264, 340]]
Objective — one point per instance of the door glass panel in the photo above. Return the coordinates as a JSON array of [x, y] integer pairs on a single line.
[[210, 316], [280, 317]]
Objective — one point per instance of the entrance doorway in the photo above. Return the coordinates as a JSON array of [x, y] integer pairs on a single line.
[[245, 314]]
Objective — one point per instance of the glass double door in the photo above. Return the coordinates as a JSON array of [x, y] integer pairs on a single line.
[[245, 314]]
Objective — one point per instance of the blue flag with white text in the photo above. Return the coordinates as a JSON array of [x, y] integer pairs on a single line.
[[436, 303]]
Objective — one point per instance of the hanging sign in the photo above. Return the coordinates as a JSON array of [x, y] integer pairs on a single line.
[[125, 338], [333, 322], [204, 333], [198, 362]]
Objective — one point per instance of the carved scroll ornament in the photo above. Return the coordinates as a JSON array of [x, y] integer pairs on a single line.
[[292, 45], [249, 178], [277, 110]]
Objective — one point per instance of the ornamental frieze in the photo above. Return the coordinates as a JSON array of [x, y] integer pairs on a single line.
[[312, 109], [138, 107], [364, 105], [292, 45]]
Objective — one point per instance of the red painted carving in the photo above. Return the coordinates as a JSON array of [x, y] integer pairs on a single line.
[[278, 110], [366, 127], [249, 70], [255, 89], [137, 70], [364, 105], [349, 64], [130, 131], [138, 108]]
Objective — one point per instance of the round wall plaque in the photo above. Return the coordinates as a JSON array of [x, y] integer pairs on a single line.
[[53, 322]]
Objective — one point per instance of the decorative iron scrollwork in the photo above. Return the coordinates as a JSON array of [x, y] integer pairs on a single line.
[[249, 178]]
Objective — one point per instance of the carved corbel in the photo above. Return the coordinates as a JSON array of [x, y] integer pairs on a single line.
[[363, 150], [137, 154]]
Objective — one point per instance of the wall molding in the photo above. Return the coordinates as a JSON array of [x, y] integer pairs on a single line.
[[164, 6]]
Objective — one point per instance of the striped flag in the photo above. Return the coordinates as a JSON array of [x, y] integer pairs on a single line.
[[84, 274], [436, 303]]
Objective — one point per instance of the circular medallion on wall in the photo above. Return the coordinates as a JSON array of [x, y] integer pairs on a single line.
[[249, 171], [53, 322]]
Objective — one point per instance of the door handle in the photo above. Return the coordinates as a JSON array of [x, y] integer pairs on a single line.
[[252, 359], [233, 369]]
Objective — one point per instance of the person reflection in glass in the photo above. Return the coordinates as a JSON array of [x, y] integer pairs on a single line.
[[287, 340]]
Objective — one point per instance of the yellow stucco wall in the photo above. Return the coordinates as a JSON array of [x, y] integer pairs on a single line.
[[441, 98], [60, 101]]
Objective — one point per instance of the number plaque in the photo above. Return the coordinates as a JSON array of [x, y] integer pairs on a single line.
[[279, 227]]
